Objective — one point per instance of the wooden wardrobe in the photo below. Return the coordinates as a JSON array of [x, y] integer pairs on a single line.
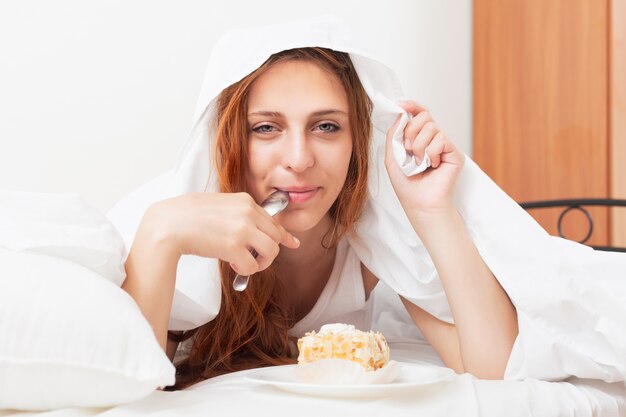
[[549, 106]]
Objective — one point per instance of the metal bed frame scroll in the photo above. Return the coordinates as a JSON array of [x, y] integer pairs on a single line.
[[579, 205]]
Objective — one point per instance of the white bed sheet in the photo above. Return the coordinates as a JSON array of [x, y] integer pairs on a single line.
[[464, 395]]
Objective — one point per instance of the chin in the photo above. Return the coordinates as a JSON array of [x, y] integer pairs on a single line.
[[300, 221]]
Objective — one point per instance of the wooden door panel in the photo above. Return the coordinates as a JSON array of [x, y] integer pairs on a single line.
[[541, 102], [617, 118]]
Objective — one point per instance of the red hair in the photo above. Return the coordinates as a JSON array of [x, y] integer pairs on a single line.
[[251, 329]]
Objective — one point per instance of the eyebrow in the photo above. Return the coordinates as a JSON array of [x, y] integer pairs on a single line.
[[316, 114]]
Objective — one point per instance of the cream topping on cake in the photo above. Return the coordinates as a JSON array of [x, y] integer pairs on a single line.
[[337, 328]]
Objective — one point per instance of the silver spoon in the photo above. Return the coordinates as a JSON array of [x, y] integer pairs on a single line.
[[274, 204]]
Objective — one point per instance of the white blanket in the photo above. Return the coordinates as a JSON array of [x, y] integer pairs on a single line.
[[571, 300], [233, 394]]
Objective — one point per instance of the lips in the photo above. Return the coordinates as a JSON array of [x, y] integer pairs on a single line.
[[300, 194]]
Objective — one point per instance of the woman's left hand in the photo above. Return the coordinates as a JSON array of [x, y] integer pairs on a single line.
[[433, 189]]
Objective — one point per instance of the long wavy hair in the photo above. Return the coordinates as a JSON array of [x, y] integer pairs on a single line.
[[251, 329]]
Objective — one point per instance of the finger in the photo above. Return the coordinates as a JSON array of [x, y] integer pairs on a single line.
[[243, 262], [268, 225], [423, 139], [388, 142], [267, 250], [412, 107], [287, 239], [259, 216], [257, 208], [414, 126], [436, 149]]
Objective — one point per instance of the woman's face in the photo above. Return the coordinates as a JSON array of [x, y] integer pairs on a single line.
[[299, 140]]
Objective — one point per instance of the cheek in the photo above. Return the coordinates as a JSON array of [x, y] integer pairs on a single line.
[[337, 162], [259, 153], [344, 160], [255, 169], [260, 162]]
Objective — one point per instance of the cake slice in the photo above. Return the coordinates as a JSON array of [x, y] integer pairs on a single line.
[[343, 341]]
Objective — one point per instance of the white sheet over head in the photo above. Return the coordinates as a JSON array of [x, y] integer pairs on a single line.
[[571, 300]]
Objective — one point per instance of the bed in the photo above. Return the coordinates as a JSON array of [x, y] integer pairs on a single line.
[[42, 269], [235, 394], [578, 204]]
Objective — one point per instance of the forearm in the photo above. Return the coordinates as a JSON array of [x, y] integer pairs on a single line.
[[442, 336], [150, 280], [485, 319]]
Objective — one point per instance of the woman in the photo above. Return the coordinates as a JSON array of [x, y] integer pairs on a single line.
[[300, 122]]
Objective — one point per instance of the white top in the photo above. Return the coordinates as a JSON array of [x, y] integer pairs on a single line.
[[343, 298]]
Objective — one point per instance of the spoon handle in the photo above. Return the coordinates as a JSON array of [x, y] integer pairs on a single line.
[[241, 281], [273, 205]]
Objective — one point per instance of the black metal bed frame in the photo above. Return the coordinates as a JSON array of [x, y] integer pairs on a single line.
[[578, 204]]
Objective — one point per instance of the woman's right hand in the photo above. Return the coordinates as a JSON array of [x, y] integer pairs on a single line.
[[218, 225]]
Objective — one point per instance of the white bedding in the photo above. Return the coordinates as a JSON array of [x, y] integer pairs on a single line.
[[464, 396]]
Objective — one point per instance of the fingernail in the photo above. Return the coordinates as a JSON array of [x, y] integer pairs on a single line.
[[296, 240]]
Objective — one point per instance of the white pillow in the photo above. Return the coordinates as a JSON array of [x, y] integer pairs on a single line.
[[62, 225], [69, 337]]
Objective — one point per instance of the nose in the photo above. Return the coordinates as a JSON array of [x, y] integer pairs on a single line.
[[297, 152]]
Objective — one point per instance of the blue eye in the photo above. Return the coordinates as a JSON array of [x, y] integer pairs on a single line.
[[263, 129], [328, 127]]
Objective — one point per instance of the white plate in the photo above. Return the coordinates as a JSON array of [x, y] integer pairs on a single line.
[[412, 378]]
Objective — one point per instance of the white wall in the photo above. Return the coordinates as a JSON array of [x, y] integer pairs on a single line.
[[96, 97]]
